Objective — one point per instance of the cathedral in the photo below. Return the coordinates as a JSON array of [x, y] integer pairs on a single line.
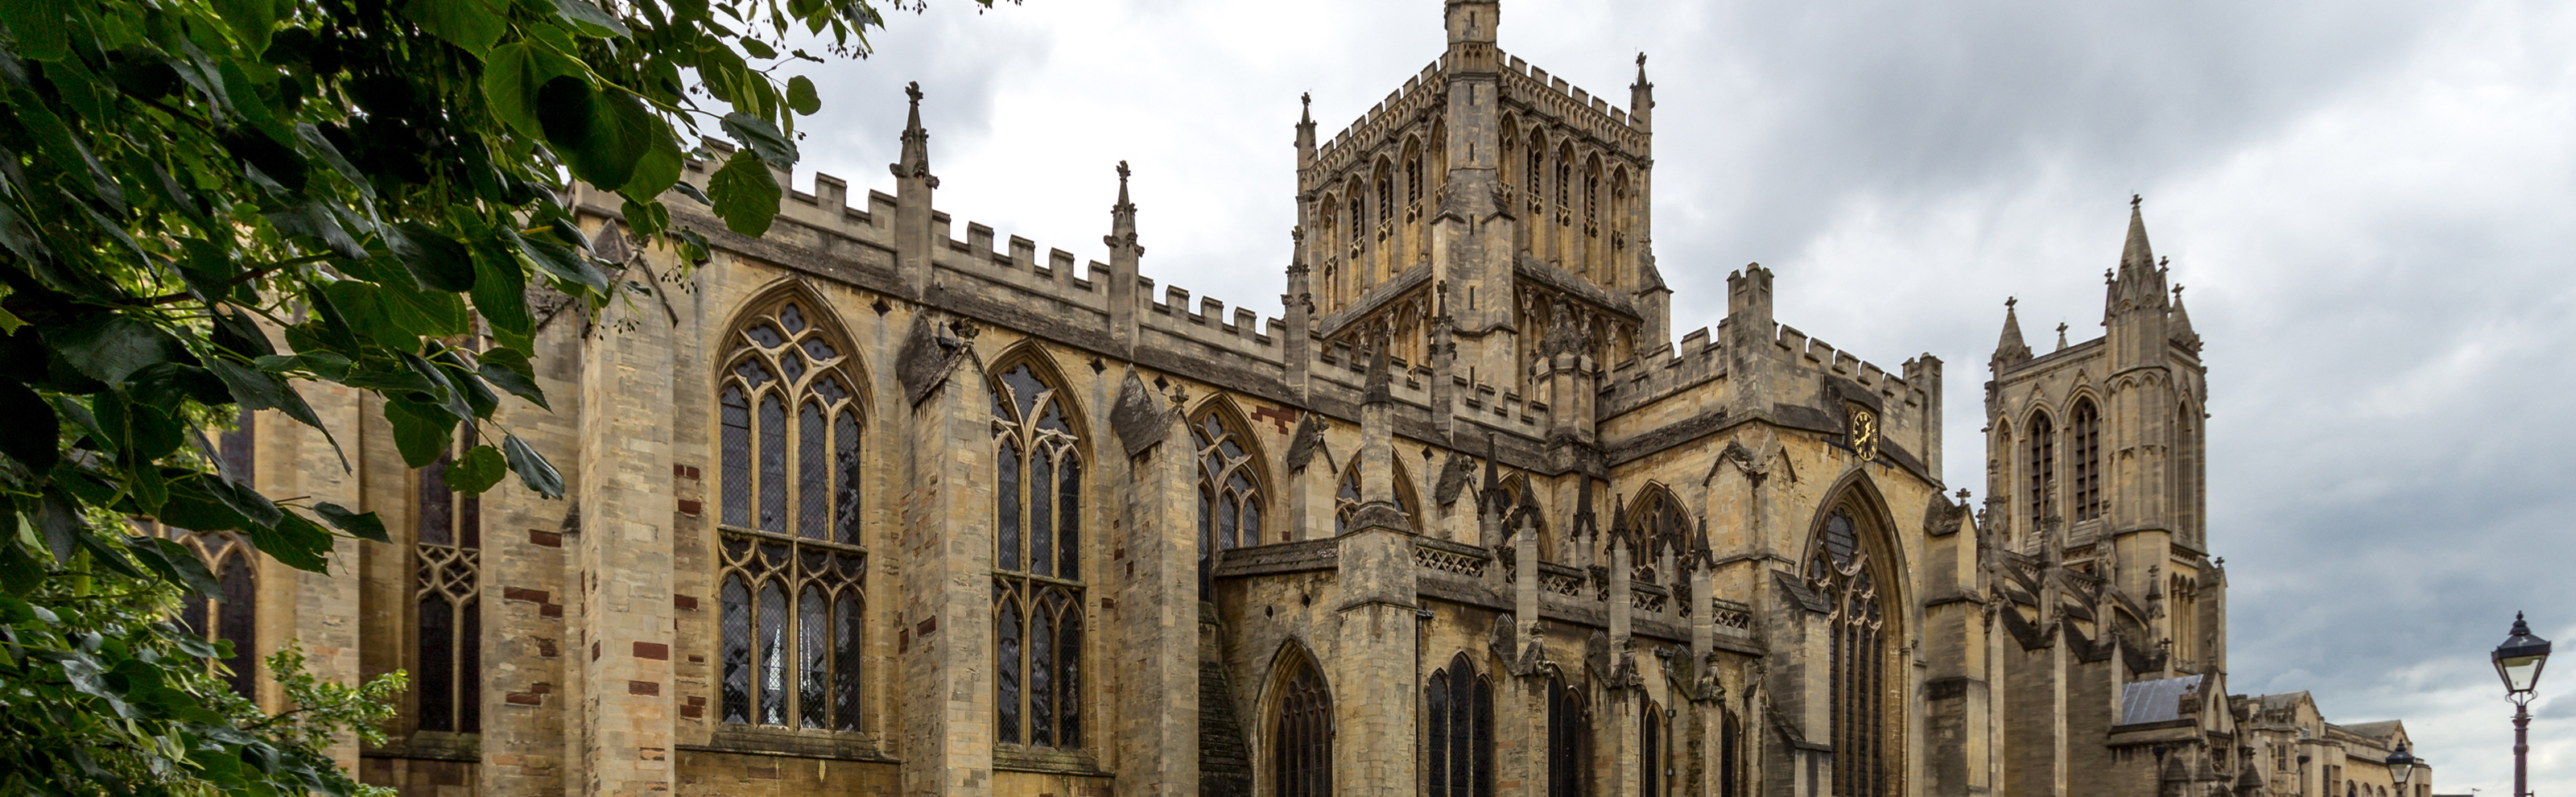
[[876, 503]]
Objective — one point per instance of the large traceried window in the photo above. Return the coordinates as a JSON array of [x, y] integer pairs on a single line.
[[2040, 462], [1569, 740], [447, 612], [792, 572], [1229, 495], [1458, 731], [1346, 499], [232, 613], [1862, 731], [1301, 744], [2086, 439], [1037, 565]]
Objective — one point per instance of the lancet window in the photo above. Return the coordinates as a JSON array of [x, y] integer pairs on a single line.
[[792, 573], [1458, 731], [2086, 440], [1730, 756], [1661, 526], [1654, 749], [1569, 740], [232, 613], [447, 610], [1229, 495], [1564, 185], [1302, 736], [2041, 460], [1537, 171], [1841, 570], [1037, 565], [1346, 499]]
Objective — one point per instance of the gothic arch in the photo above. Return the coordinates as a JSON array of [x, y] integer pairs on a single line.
[[1855, 562], [1660, 520], [1042, 362], [1346, 495], [822, 312], [1233, 486], [1458, 730], [1294, 741]]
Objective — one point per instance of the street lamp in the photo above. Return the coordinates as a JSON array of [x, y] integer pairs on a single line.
[[2518, 662], [2401, 767]]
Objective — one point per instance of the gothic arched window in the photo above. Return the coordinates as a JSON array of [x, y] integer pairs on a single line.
[[1863, 733], [1537, 170], [449, 618], [1346, 499], [1730, 756], [1661, 526], [792, 575], [1037, 587], [1654, 749], [1229, 495], [1564, 184], [1302, 737], [2086, 438], [232, 613], [1569, 740], [1458, 731], [2041, 463]]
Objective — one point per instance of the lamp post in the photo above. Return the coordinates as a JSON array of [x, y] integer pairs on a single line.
[[2401, 767], [2518, 662]]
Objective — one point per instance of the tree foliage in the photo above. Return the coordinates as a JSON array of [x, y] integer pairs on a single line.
[[380, 183]]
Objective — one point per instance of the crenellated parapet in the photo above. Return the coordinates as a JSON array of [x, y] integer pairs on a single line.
[[1533, 89]]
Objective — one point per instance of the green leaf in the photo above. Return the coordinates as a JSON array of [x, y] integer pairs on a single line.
[[499, 294], [600, 134], [472, 25], [314, 220], [477, 471], [451, 397], [175, 563], [190, 506], [801, 97], [532, 467], [251, 20], [295, 542], [512, 76], [440, 262], [559, 260], [658, 168], [757, 48], [236, 332], [40, 27], [762, 137], [510, 370], [33, 434], [746, 195], [165, 384], [364, 526], [590, 20], [109, 347], [421, 431]]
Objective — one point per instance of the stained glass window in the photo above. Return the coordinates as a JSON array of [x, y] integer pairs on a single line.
[[2041, 464], [447, 585], [2086, 438], [1569, 740], [1037, 595], [1862, 732], [1302, 737], [791, 474], [1458, 731], [1229, 495]]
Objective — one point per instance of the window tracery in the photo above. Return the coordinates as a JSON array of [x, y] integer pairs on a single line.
[[1840, 569], [1458, 731], [232, 613], [1037, 587], [793, 575], [448, 615], [1229, 495], [2086, 438], [1302, 736], [1346, 499], [2041, 460]]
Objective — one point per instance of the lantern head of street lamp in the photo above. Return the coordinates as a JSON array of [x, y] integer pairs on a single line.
[[2401, 766], [2519, 659]]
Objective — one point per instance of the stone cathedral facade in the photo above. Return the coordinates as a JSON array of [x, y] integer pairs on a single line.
[[879, 504]]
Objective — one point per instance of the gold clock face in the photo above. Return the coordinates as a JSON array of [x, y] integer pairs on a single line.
[[1864, 433]]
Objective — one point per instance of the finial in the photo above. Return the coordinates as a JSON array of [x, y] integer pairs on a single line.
[[1306, 98], [1122, 172], [2061, 334], [2133, 201], [2161, 262], [913, 90], [2177, 291], [1641, 59], [2009, 301]]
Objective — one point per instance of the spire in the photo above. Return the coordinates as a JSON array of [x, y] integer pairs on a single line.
[[1641, 95], [1305, 129], [2011, 349], [1585, 525], [2182, 331], [1379, 389], [1122, 216], [2135, 255], [1490, 497], [915, 161]]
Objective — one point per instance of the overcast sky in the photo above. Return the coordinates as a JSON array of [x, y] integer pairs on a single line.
[[2372, 203]]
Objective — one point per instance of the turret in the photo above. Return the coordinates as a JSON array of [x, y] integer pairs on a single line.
[[1305, 134], [913, 184], [2134, 300], [1473, 21], [1123, 255], [1470, 229]]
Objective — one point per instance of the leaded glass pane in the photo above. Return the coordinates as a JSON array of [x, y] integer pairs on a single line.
[[845, 443], [1006, 509], [1068, 642], [1041, 515], [1435, 724], [1025, 388], [736, 445], [793, 364], [814, 474], [1042, 674], [237, 621], [846, 618], [821, 352], [1068, 524], [736, 631], [1481, 740], [773, 464], [791, 317], [764, 335], [772, 619], [469, 666], [437, 504], [436, 684], [1006, 672], [814, 655]]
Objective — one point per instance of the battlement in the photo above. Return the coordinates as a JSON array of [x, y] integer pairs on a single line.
[[1570, 104], [1420, 93], [1810, 356]]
